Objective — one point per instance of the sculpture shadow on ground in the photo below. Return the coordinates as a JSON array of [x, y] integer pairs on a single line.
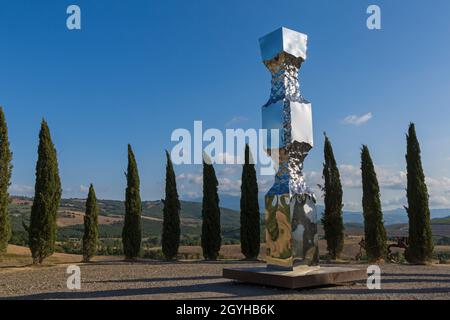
[[174, 262], [415, 280], [163, 279], [214, 287], [228, 289], [368, 293], [418, 275], [236, 290]]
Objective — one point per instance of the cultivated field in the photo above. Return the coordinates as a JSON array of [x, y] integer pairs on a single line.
[[19, 258]]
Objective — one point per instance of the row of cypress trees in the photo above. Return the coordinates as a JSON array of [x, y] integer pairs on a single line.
[[332, 220], [42, 229], [374, 231], [211, 229], [420, 247]]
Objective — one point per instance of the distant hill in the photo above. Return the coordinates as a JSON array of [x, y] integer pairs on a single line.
[[396, 220], [70, 219], [441, 221], [395, 216], [71, 211]]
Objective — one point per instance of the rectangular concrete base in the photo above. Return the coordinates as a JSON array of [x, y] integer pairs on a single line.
[[299, 278]]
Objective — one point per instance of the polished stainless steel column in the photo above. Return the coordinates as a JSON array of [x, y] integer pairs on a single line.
[[291, 219]]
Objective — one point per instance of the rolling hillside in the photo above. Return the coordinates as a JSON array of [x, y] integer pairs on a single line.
[[70, 220], [71, 212], [391, 217]]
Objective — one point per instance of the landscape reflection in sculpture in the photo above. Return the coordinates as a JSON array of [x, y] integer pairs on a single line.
[[291, 219]]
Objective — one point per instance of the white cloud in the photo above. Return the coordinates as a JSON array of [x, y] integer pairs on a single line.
[[357, 120], [350, 176], [439, 201], [235, 120], [392, 184], [443, 183], [191, 178], [21, 190], [84, 189], [387, 178], [393, 203], [352, 206], [230, 186], [190, 184], [228, 158], [192, 194], [231, 169], [352, 185]]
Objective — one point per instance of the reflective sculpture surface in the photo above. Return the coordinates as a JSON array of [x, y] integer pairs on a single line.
[[291, 219]]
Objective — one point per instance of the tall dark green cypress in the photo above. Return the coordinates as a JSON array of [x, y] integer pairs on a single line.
[[250, 226], [42, 229], [332, 220], [420, 248], [211, 234], [5, 178], [90, 237], [171, 214], [132, 229], [375, 233]]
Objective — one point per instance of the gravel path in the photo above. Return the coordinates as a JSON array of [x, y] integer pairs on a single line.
[[202, 280]]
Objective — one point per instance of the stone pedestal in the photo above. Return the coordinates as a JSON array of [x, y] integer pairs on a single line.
[[301, 277]]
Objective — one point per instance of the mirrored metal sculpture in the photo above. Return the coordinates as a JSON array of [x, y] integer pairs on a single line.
[[291, 220]]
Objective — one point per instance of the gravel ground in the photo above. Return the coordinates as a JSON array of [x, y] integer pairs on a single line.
[[202, 280]]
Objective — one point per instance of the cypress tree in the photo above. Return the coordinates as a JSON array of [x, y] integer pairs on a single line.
[[420, 247], [132, 229], [250, 232], [171, 214], [42, 229], [5, 178], [375, 233], [332, 220], [90, 237], [211, 237]]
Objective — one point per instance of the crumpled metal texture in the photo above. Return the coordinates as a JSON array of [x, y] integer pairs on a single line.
[[282, 177], [285, 83], [286, 87], [297, 154]]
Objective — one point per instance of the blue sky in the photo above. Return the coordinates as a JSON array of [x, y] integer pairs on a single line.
[[140, 69]]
